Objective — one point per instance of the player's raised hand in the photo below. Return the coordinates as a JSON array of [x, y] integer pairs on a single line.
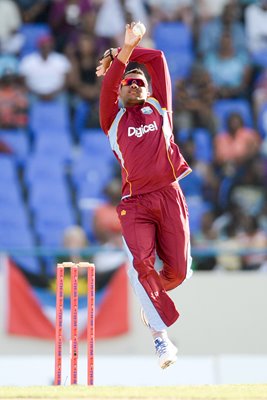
[[133, 34]]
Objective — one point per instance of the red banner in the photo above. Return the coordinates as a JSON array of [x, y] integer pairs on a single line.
[[31, 312]]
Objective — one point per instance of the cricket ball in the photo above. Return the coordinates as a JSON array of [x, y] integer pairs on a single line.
[[139, 29]]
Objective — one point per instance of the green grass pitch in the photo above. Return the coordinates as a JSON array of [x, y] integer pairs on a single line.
[[205, 392]]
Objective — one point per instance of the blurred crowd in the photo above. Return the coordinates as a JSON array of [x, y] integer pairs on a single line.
[[226, 192]]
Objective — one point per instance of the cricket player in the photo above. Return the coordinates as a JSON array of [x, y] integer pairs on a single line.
[[152, 211]]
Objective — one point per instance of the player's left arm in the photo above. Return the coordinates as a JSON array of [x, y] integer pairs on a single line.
[[156, 65]]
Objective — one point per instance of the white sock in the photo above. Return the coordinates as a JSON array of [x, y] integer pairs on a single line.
[[162, 334]]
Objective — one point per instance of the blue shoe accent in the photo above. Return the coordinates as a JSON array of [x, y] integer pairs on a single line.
[[166, 352]]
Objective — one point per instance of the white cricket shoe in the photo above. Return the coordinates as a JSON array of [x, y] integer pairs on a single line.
[[166, 351]]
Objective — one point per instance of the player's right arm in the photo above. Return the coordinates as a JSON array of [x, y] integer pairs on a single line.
[[108, 106], [109, 95]]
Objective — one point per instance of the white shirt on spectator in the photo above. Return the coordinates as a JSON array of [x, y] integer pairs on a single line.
[[207, 9], [110, 20], [10, 19], [256, 28], [44, 76], [170, 5]]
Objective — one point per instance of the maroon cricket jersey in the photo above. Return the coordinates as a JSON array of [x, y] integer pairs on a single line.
[[141, 136]]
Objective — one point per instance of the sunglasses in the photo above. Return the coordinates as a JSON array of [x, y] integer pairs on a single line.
[[130, 81]]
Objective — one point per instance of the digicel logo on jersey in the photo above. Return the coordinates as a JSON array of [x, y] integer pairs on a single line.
[[139, 132]]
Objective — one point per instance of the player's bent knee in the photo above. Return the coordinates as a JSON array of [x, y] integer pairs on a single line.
[[171, 281], [176, 281]]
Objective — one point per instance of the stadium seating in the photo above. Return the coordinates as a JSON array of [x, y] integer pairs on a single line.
[[260, 59], [172, 35], [203, 145], [50, 224], [176, 40], [48, 194], [21, 241], [10, 218], [15, 229], [31, 33], [179, 64], [18, 141], [7, 168], [56, 146], [92, 173], [196, 208], [96, 144], [43, 168], [192, 184], [53, 116], [87, 207], [94, 166], [223, 108], [82, 110], [262, 121], [9, 193], [202, 139]]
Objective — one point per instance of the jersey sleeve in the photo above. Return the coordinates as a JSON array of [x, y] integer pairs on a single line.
[[108, 106]]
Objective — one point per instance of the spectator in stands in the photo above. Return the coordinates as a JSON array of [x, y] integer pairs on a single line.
[[262, 218], [169, 10], [193, 101], [112, 17], [229, 248], [211, 31], [230, 217], [46, 71], [4, 148], [74, 239], [238, 144], [228, 226], [202, 182], [74, 242], [256, 30], [203, 239], [249, 191], [200, 188], [259, 92], [230, 70], [13, 100], [253, 238], [208, 9], [10, 21], [83, 81], [66, 18], [34, 11], [235, 151], [106, 222]]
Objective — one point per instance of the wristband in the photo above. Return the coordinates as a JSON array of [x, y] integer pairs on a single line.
[[108, 53]]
